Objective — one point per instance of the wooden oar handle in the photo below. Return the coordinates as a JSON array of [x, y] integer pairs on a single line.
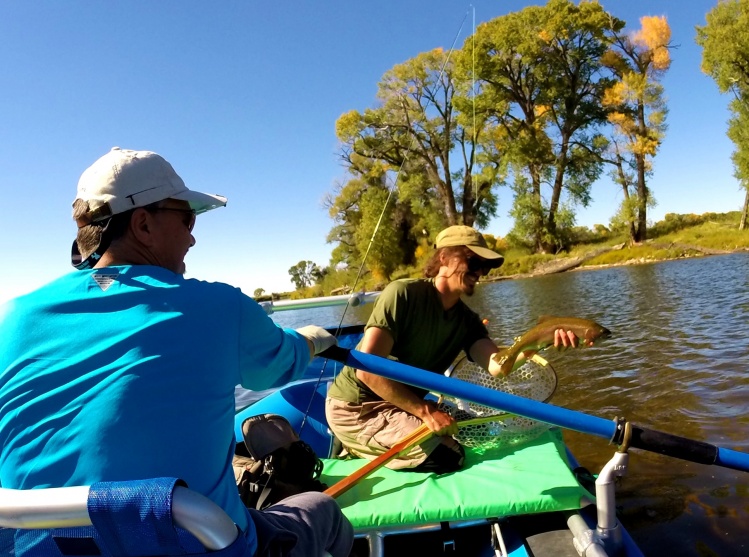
[[418, 435]]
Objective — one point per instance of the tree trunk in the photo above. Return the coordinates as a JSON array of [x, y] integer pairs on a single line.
[[642, 200], [445, 189], [642, 188], [538, 217], [469, 201], [625, 188], [742, 224], [556, 194]]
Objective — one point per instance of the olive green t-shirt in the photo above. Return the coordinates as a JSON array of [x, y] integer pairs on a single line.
[[425, 334]]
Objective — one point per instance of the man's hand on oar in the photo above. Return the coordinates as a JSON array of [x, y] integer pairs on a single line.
[[439, 422]]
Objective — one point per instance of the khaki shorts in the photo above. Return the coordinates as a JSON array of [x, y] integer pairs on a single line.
[[367, 430]]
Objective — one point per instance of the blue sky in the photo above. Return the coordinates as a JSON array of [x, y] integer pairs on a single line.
[[242, 98]]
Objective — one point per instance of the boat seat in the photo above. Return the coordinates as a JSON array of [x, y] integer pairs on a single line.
[[134, 518], [533, 477]]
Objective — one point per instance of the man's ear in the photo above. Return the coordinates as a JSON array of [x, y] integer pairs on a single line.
[[446, 258], [141, 226]]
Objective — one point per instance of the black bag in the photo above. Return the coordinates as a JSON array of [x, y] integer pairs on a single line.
[[273, 463]]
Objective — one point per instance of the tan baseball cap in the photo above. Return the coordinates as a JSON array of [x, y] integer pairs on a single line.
[[123, 179], [461, 235]]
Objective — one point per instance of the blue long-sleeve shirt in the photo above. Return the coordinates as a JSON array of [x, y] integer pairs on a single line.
[[129, 373]]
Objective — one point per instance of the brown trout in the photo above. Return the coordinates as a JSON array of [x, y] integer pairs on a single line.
[[542, 335]]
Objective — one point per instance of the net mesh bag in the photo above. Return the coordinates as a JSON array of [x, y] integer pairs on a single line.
[[536, 380]]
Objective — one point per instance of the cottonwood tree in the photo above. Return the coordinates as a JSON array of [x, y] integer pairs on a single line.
[[305, 273], [637, 114], [360, 207], [738, 132], [417, 142], [725, 57], [542, 67]]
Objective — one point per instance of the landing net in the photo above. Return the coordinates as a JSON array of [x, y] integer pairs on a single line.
[[536, 380]]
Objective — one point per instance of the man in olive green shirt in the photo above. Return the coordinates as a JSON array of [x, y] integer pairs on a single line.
[[423, 323]]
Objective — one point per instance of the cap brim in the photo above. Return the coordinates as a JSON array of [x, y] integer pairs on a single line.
[[200, 202], [493, 259]]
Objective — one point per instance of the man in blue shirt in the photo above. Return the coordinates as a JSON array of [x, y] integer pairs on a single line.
[[126, 370]]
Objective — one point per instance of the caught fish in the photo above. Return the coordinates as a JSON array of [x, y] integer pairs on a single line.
[[542, 335]]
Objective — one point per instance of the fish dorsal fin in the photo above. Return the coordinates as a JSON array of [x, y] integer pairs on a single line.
[[546, 318]]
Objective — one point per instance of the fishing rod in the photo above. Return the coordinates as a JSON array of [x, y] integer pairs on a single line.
[[618, 431], [382, 215]]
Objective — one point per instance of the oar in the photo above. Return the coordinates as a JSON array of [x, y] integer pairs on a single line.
[[618, 431], [418, 435]]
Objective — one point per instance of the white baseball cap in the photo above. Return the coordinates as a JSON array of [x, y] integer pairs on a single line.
[[123, 180]]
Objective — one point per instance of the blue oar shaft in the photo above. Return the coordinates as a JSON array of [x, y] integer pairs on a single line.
[[642, 438], [513, 404]]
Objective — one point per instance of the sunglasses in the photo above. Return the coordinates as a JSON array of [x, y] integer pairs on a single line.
[[476, 264], [188, 219]]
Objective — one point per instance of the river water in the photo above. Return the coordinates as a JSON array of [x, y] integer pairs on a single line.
[[677, 361]]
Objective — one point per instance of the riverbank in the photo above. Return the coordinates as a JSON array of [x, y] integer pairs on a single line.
[[669, 252], [675, 237]]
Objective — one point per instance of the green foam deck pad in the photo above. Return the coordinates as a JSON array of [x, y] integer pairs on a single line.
[[531, 478]]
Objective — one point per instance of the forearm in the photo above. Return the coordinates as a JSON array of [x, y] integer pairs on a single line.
[[380, 342], [395, 393]]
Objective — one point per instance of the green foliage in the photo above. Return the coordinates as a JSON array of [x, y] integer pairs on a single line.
[[725, 45], [418, 138], [725, 57], [563, 236], [308, 292], [526, 214], [712, 234], [738, 132], [385, 250], [628, 213], [638, 254], [343, 277], [585, 235], [524, 264], [526, 232], [674, 222], [530, 107], [541, 67], [305, 273]]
